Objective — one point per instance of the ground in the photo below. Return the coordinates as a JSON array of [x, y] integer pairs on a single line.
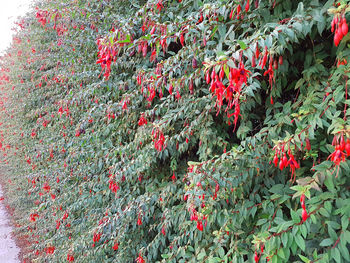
[[8, 249]]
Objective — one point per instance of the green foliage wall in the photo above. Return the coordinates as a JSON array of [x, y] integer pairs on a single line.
[[179, 131]]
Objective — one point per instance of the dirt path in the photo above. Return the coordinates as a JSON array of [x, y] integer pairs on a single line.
[[8, 249]]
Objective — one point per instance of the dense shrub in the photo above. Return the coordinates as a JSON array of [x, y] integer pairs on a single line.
[[179, 131]]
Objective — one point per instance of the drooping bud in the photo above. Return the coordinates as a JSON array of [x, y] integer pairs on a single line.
[[304, 215]]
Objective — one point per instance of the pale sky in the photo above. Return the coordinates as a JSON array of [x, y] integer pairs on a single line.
[[9, 11]]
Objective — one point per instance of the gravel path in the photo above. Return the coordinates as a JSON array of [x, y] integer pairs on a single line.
[[8, 249]]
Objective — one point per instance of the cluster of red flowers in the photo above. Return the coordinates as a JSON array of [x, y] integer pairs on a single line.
[[108, 51], [151, 85], [96, 238], [341, 149], [113, 186], [41, 16], [44, 17], [158, 139], [70, 257], [257, 255], [341, 28], [46, 187], [140, 259], [105, 56], [232, 92], [280, 159], [160, 5], [110, 115], [50, 250], [58, 221], [194, 217], [61, 111], [142, 47], [33, 217], [238, 13], [142, 120]]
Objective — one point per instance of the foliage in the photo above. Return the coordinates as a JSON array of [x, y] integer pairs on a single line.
[[180, 131]]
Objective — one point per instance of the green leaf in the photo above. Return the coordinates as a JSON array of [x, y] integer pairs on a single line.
[[300, 242], [221, 252], [284, 238], [242, 44], [280, 253], [201, 255], [326, 242], [165, 256], [304, 259], [336, 255]]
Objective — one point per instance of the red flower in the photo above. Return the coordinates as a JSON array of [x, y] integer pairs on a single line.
[[337, 156], [304, 215], [116, 245], [50, 250], [200, 225], [96, 237], [143, 120], [160, 5], [33, 217], [46, 187], [139, 221], [70, 258], [158, 140], [140, 259], [256, 257]]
